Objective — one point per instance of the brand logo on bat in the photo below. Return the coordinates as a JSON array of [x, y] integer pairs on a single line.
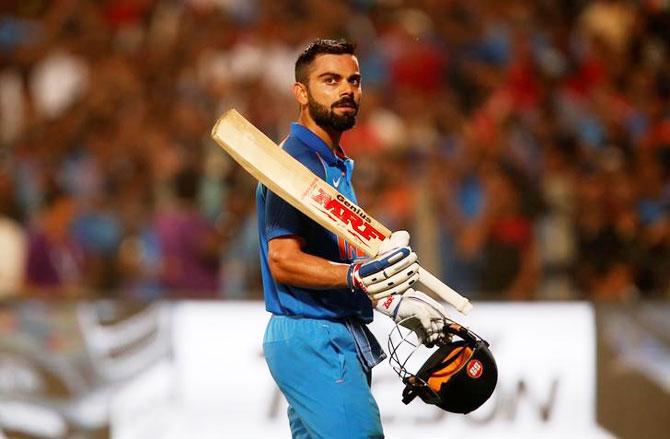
[[348, 213]]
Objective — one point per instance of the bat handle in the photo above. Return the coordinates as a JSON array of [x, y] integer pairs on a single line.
[[438, 287]]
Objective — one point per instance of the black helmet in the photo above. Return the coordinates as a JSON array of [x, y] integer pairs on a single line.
[[458, 377]]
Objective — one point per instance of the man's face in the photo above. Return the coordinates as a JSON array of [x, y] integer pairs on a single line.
[[334, 91]]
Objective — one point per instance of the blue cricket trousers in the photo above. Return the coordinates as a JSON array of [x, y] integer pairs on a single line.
[[315, 365]]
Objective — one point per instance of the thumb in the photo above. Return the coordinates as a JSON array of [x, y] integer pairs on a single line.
[[397, 239]]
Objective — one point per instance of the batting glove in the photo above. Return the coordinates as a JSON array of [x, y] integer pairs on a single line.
[[390, 273], [397, 239], [418, 312]]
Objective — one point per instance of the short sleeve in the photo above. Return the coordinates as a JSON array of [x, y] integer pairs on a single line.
[[282, 219]]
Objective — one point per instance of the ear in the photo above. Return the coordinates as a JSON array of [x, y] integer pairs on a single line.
[[300, 93]]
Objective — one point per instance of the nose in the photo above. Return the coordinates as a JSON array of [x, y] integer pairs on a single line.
[[348, 89]]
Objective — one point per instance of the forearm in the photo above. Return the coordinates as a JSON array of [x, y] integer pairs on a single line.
[[390, 273], [308, 271]]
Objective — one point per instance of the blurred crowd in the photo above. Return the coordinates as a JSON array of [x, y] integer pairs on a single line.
[[524, 144]]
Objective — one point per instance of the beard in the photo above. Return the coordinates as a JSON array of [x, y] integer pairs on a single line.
[[327, 119]]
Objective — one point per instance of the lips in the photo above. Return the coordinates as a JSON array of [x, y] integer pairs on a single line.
[[346, 104]]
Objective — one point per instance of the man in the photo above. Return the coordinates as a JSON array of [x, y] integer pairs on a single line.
[[317, 346]]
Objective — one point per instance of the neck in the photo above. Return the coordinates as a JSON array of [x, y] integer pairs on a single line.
[[330, 137]]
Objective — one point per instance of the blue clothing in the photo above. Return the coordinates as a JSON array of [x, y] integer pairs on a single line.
[[278, 218], [316, 345], [370, 353], [324, 382]]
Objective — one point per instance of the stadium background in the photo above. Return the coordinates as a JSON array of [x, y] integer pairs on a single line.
[[529, 140]]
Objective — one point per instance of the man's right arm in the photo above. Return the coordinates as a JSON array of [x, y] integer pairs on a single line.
[[390, 273], [289, 265]]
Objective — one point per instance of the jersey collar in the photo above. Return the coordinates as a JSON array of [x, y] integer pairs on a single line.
[[310, 138]]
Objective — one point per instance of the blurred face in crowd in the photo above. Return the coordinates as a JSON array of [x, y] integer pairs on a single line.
[[58, 218], [333, 91]]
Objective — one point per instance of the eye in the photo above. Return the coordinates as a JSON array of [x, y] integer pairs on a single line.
[[331, 80], [355, 81]]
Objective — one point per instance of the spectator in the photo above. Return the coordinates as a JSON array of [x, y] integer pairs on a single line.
[[190, 246], [55, 259], [13, 242], [510, 254], [92, 92], [139, 253]]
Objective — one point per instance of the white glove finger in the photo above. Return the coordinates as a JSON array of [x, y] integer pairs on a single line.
[[397, 267], [370, 267], [438, 331], [424, 318], [380, 290], [396, 279], [431, 332], [438, 326], [403, 266], [397, 239]]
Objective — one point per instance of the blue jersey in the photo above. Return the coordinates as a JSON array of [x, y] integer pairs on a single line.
[[277, 218]]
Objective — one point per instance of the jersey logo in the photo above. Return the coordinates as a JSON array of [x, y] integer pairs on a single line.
[[336, 183], [348, 252]]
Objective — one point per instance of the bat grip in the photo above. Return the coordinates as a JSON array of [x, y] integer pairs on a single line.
[[438, 287]]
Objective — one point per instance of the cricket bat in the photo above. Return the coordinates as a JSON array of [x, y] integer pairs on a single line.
[[297, 185]]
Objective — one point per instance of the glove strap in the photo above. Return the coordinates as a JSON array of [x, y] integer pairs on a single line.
[[353, 279]]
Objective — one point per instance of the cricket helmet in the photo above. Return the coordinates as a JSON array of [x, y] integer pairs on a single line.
[[459, 376]]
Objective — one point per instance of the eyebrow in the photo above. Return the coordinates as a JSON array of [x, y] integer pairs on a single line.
[[337, 75]]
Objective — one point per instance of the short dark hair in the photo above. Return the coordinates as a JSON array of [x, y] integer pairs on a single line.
[[320, 47]]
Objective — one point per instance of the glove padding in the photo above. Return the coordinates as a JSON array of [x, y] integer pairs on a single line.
[[390, 273], [418, 312], [397, 239]]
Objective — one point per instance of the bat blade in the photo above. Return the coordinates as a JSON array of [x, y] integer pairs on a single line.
[[295, 183]]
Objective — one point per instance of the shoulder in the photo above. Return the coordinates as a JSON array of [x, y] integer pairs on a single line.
[[300, 151]]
